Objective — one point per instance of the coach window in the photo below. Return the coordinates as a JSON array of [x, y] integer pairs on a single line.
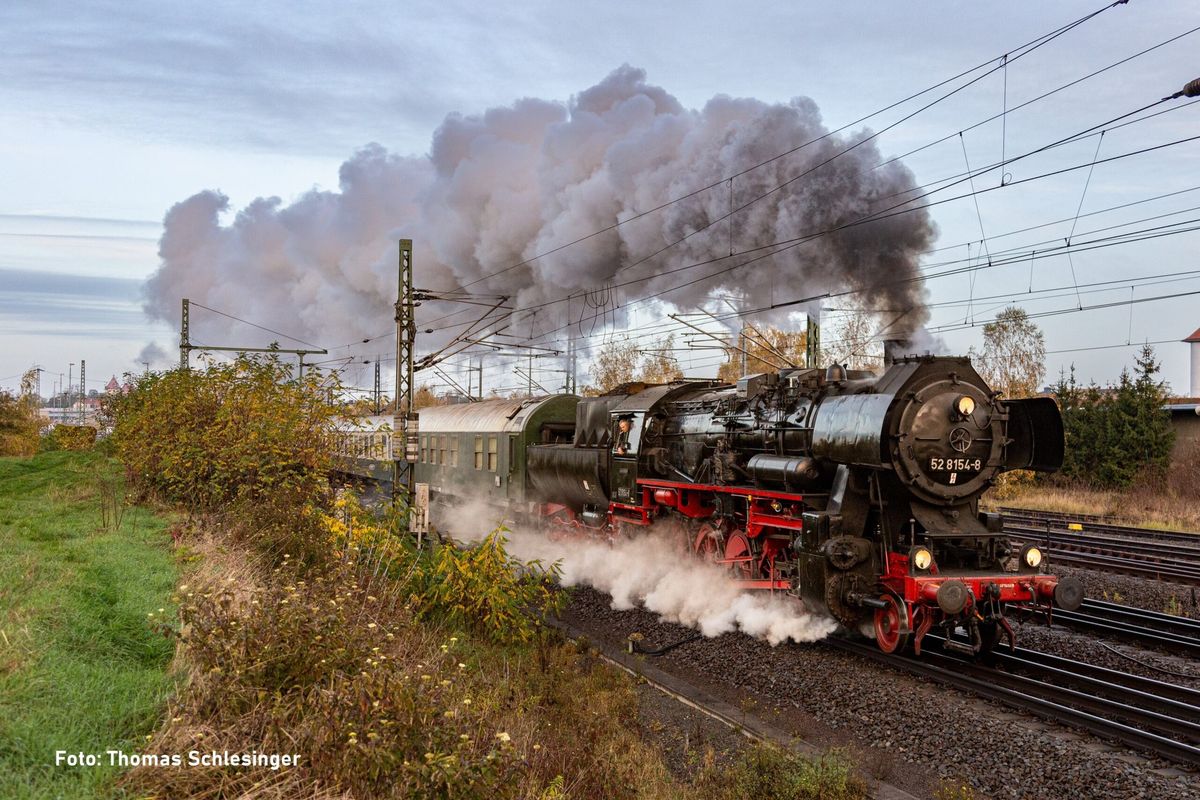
[[492, 451], [454, 450], [443, 456], [424, 449], [478, 452]]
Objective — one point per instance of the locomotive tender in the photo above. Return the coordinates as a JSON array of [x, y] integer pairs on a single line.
[[857, 493]]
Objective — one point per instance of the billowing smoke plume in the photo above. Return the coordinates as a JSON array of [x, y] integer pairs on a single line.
[[649, 571], [155, 356], [500, 187]]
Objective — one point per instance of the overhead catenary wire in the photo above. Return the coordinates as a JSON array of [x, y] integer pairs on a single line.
[[775, 248], [194, 304], [972, 194], [1010, 55]]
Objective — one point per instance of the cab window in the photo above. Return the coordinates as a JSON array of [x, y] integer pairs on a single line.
[[626, 434]]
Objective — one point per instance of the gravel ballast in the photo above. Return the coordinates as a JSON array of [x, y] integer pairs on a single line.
[[902, 729]]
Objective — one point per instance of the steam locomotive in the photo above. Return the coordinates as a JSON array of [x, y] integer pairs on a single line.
[[856, 493]]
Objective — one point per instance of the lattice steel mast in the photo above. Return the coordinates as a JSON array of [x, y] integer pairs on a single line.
[[405, 419]]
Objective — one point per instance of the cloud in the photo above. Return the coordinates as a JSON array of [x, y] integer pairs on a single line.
[[38, 303], [269, 75]]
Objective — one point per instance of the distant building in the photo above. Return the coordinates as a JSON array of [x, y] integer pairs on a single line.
[[112, 387], [1185, 419]]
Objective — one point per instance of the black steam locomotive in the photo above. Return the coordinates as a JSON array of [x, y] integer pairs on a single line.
[[857, 493]]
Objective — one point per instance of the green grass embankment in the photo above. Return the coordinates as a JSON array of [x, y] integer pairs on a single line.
[[80, 668]]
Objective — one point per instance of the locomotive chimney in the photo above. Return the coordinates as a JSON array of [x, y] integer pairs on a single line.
[[892, 350], [1194, 340]]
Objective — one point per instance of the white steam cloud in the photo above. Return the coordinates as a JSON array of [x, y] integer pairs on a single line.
[[499, 187], [651, 572]]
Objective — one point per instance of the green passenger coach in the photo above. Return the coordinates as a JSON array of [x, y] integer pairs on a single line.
[[477, 450]]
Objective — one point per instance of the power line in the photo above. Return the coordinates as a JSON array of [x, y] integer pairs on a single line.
[[788, 244], [1008, 57], [1108, 346], [1005, 163], [253, 325]]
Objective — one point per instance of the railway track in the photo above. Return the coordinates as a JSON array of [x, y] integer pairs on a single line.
[[1147, 553], [1141, 713], [1178, 635], [1094, 522]]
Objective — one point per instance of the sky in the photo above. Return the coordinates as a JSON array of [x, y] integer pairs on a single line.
[[114, 114]]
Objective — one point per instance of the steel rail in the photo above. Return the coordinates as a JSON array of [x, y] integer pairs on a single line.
[[1135, 706], [1125, 566], [1094, 522], [1184, 644], [1113, 555], [1150, 549], [1171, 622], [1172, 691], [1045, 700]]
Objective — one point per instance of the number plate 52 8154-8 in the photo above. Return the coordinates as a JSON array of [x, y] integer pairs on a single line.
[[955, 464]]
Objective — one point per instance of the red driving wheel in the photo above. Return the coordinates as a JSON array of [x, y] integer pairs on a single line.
[[709, 542], [892, 629], [740, 555]]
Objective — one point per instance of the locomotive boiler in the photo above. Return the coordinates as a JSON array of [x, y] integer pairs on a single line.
[[856, 493]]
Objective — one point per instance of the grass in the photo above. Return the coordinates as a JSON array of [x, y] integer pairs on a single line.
[[1141, 506], [1162, 502], [80, 668]]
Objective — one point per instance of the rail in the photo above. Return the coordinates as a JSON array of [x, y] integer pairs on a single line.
[[1178, 635], [1127, 709], [1148, 553]]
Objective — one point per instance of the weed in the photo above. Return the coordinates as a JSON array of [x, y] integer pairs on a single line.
[[768, 771], [954, 790]]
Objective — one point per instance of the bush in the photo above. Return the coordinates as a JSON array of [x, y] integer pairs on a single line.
[[243, 439], [768, 771], [72, 437], [481, 589], [486, 591], [19, 420], [332, 669]]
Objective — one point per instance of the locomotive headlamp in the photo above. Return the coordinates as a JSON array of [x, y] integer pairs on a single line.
[[921, 558], [965, 405], [1032, 557]]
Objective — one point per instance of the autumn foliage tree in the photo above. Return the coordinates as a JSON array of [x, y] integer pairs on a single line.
[[19, 421], [1013, 359], [853, 343], [659, 364], [766, 350], [621, 360]]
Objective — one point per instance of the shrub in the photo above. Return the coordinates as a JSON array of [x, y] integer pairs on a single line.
[[484, 590], [333, 669], [73, 437], [768, 771], [243, 439]]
